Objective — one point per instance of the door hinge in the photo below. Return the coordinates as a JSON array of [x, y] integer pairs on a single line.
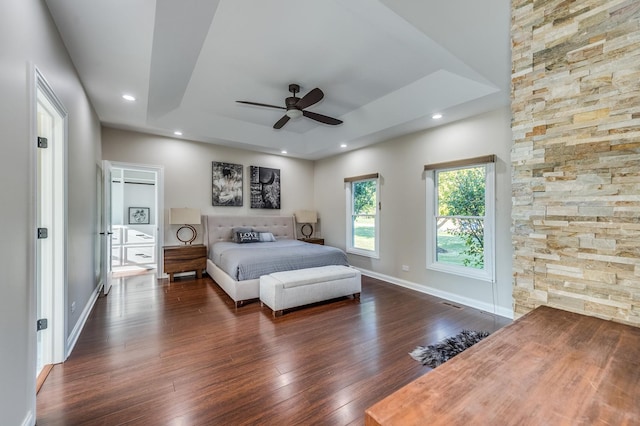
[[42, 324], [43, 233], [42, 142]]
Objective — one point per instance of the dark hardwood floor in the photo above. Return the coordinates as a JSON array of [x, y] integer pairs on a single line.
[[550, 367], [154, 353]]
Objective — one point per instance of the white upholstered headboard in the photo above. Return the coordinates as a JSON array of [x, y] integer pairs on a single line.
[[218, 228]]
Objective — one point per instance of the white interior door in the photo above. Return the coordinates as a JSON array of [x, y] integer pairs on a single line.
[[44, 246], [107, 228], [51, 226]]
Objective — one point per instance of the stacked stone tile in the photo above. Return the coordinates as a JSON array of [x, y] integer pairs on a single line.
[[576, 156]]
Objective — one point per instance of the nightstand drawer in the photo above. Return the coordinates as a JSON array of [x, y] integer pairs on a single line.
[[184, 259]]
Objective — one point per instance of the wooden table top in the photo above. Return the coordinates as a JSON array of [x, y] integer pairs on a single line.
[[549, 367]]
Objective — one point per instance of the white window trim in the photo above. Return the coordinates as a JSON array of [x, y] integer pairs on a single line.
[[486, 274], [375, 254]]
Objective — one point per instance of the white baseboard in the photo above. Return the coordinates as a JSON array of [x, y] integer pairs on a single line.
[[487, 307], [75, 333], [29, 420]]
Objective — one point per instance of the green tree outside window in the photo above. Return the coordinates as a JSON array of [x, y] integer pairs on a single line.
[[364, 211], [461, 210]]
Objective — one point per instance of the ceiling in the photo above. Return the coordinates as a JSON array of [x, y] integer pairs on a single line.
[[385, 66]]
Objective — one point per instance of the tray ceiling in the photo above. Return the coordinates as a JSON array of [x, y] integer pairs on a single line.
[[385, 66]]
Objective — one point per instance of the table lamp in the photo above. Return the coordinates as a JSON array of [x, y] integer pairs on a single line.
[[187, 218], [307, 217]]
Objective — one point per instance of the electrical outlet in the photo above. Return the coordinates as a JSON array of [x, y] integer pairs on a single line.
[[405, 268], [73, 307]]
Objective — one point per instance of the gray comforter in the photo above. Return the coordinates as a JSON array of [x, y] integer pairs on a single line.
[[251, 260]]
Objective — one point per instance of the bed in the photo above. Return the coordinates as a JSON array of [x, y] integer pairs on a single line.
[[237, 267]]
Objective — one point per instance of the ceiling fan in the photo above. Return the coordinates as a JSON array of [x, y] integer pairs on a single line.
[[296, 107]]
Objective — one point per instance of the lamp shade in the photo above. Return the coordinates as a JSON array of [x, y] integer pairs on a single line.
[[184, 216], [306, 216]]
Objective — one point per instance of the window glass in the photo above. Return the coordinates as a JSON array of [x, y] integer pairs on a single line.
[[460, 220], [362, 219]]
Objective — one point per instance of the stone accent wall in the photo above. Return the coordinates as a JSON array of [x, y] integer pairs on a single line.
[[576, 156]]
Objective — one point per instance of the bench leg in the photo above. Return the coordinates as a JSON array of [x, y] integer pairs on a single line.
[[356, 296], [277, 313]]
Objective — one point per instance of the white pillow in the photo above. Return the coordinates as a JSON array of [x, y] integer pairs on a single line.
[[267, 237]]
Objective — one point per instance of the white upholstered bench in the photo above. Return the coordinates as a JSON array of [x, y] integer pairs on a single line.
[[290, 289]]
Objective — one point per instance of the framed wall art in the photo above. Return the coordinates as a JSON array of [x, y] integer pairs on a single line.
[[226, 184], [265, 188], [139, 215]]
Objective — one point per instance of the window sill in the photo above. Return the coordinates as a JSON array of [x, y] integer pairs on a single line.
[[364, 253], [478, 274]]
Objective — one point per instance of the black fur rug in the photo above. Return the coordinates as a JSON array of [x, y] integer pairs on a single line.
[[434, 355]]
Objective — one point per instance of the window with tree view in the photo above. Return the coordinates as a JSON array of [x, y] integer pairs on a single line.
[[362, 219], [461, 220]]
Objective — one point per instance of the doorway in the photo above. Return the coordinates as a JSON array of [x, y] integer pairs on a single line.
[[51, 232], [136, 218]]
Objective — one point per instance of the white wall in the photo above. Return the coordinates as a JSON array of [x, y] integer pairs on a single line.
[[187, 173], [400, 163], [28, 36]]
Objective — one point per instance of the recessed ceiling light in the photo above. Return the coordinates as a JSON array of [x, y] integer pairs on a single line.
[[436, 116], [177, 133], [284, 151], [128, 97], [343, 145]]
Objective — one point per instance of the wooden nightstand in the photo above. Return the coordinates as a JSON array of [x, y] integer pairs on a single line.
[[319, 241], [185, 258]]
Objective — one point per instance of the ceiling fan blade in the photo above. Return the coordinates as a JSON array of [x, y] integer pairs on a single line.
[[321, 118], [281, 122], [259, 104], [313, 97]]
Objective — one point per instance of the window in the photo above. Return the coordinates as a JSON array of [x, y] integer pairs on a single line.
[[460, 217], [363, 226]]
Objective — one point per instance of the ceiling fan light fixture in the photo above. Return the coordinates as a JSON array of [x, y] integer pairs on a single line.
[[295, 107], [294, 113]]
